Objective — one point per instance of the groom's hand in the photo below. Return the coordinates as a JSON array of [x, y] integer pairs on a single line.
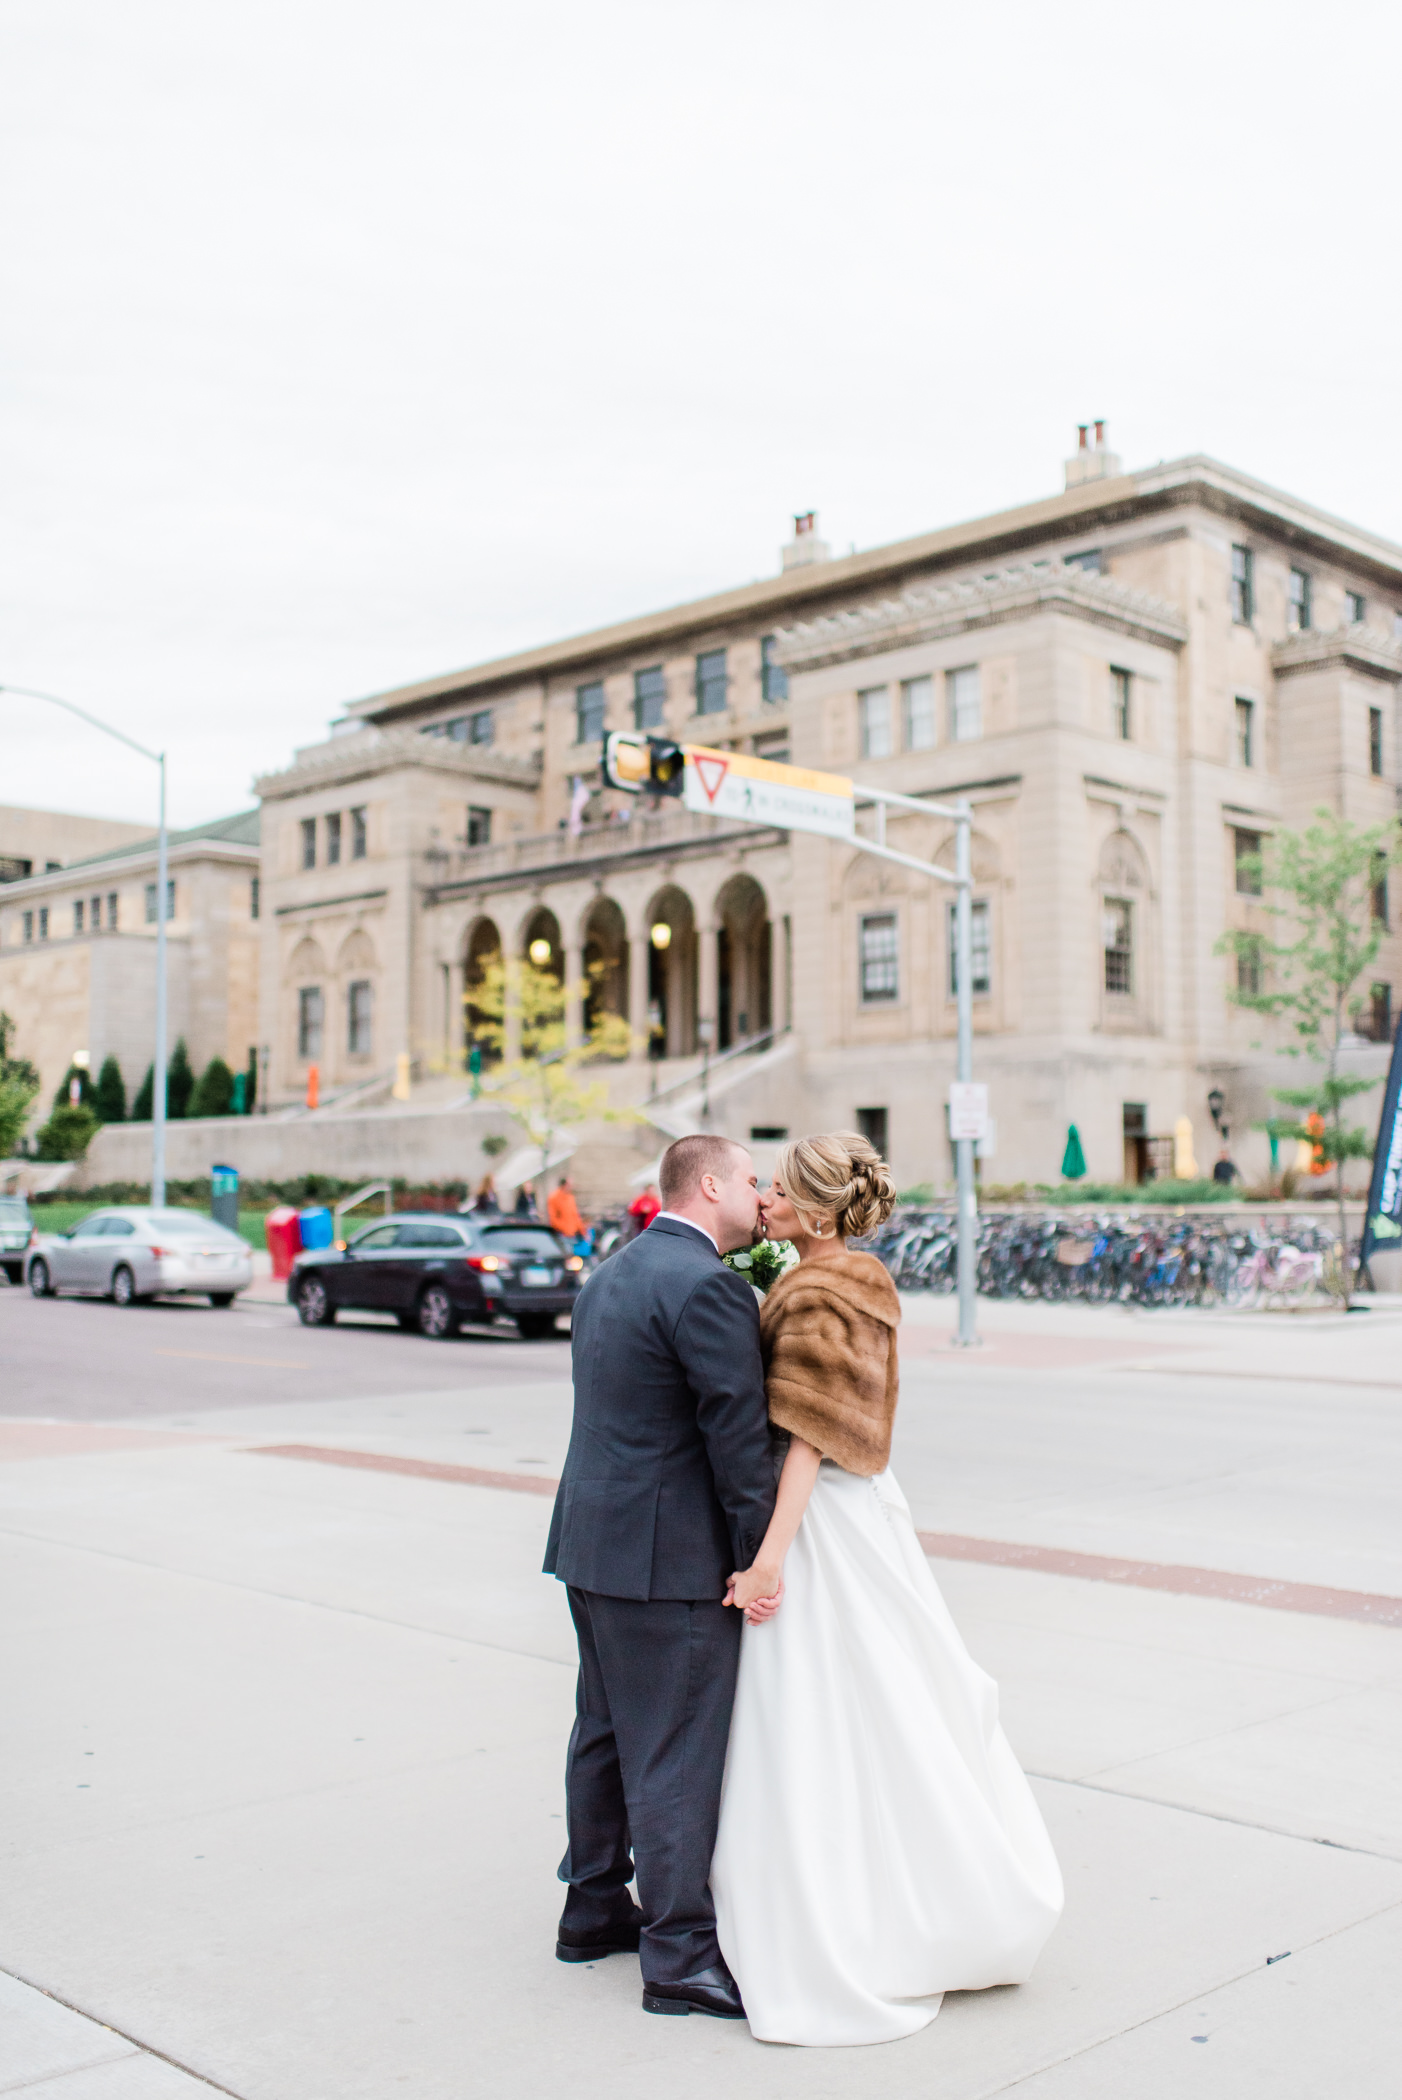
[[758, 1592], [765, 1607]]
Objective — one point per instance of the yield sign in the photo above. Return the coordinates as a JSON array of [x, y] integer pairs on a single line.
[[711, 771]]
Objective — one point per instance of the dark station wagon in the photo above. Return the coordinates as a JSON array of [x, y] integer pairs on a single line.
[[433, 1271]]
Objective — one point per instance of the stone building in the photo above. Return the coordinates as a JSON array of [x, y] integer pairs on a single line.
[[78, 952], [1133, 682]]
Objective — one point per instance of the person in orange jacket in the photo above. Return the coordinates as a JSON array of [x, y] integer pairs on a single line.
[[563, 1211]]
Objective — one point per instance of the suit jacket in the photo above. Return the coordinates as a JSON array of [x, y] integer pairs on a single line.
[[669, 1482]]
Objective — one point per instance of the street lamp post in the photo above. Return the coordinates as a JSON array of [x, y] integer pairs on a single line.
[[158, 1068]]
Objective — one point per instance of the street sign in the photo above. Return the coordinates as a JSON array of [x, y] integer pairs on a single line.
[[968, 1110], [731, 784]]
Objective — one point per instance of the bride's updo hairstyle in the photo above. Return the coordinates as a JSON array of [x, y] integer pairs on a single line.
[[837, 1184]]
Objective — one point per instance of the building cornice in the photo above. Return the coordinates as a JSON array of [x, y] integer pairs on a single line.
[[290, 911], [369, 752], [127, 861], [528, 869], [1359, 648], [930, 611], [1084, 512]]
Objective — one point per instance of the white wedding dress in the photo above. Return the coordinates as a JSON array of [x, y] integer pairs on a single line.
[[878, 1842]]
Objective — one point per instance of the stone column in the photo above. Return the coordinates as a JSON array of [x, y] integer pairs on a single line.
[[638, 952], [708, 981], [574, 994]]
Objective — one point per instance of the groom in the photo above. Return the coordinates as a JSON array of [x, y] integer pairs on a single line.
[[667, 1488]]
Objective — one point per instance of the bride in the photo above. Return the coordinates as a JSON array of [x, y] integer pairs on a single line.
[[878, 1842]]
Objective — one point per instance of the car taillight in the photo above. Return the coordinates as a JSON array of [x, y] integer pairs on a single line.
[[574, 1261], [488, 1262]]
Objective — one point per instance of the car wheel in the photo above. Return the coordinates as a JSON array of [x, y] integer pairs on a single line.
[[221, 1300], [437, 1319], [535, 1327], [314, 1307], [40, 1282], [123, 1286]]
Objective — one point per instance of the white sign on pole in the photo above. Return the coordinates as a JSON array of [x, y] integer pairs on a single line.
[[968, 1109], [731, 784]]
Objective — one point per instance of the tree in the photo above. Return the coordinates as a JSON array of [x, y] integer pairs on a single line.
[[68, 1133], [180, 1081], [19, 1083], [1328, 876], [543, 1090], [110, 1094], [144, 1102], [214, 1094]]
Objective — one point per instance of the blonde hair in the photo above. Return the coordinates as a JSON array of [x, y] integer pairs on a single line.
[[837, 1182]]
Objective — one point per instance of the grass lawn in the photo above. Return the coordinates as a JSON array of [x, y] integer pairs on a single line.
[[61, 1217]]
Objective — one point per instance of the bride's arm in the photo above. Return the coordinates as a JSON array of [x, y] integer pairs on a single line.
[[764, 1579]]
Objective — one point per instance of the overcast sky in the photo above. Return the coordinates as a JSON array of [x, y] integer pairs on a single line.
[[349, 344]]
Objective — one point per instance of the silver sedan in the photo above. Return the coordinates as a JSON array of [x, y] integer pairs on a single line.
[[130, 1254]]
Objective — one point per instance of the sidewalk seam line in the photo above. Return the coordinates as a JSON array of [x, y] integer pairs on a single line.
[[1214, 1815], [146, 2048]]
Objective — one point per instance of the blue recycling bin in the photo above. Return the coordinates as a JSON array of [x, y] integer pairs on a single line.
[[224, 1196], [317, 1228]]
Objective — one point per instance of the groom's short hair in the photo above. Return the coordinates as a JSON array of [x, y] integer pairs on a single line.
[[683, 1164]]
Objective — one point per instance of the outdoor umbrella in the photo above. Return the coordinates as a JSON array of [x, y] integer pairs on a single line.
[[1073, 1162]]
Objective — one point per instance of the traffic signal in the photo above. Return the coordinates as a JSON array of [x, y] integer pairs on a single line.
[[637, 762]]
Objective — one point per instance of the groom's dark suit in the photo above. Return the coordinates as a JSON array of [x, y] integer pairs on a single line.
[[668, 1486]]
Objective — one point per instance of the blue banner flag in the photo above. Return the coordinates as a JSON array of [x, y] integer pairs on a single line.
[[1383, 1225]]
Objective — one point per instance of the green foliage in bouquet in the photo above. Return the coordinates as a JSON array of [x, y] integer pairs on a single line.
[[764, 1264]]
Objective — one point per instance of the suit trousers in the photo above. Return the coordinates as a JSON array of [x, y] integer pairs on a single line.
[[644, 1769]]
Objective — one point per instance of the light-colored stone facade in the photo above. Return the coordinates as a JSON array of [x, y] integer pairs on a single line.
[[78, 954], [1130, 682]]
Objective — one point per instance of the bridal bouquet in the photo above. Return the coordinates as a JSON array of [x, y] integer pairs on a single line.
[[764, 1264]]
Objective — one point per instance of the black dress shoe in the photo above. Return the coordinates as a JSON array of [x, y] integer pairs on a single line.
[[621, 1937], [710, 1991]]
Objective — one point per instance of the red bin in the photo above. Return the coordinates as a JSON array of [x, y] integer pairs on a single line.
[[284, 1234]]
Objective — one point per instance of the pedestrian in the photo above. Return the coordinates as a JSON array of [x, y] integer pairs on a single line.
[[1226, 1169], [486, 1197], [525, 1201], [644, 1208], [563, 1213]]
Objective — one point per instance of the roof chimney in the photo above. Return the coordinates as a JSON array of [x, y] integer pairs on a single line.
[[1091, 462], [805, 546]]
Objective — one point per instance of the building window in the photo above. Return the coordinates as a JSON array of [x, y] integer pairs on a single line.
[[712, 683], [333, 840], [773, 678], [918, 713], [255, 896], [980, 950], [357, 1019], [1247, 854], [874, 722], [649, 697], [589, 713], [358, 834], [78, 910], [1248, 972], [111, 911], [880, 977], [1379, 891], [151, 902], [965, 713], [1119, 702], [1243, 586], [874, 1125], [1091, 562], [479, 726], [29, 925], [309, 1017], [1118, 935], [95, 915], [44, 922], [1380, 1017], [1355, 608], [479, 827], [1246, 732], [309, 842], [1375, 742], [1301, 594]]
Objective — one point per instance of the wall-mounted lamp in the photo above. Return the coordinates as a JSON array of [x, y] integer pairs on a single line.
[[1216, 1102], [661, 936], [539, 952]]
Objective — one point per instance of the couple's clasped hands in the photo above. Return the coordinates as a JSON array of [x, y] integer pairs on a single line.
[[757, 1592]]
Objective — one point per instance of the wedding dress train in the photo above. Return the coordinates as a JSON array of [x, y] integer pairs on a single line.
[[878, 1842]]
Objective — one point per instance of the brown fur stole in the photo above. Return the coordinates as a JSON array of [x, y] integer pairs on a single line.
[[828, 1333]]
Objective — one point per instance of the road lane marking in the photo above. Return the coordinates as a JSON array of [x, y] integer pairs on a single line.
[[1263, 1590], [254, 1363]]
